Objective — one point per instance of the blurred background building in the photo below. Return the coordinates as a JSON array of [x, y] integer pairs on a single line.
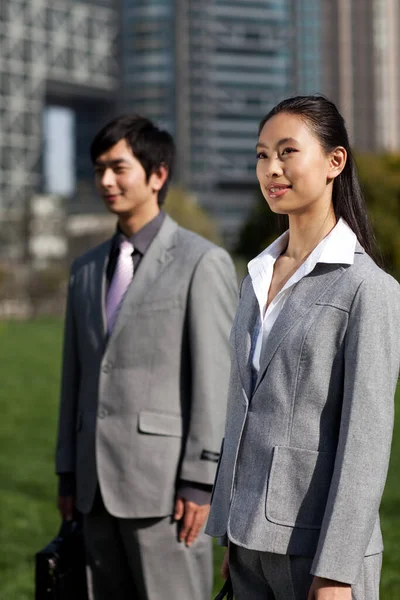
[[58, 77], [208, 70], [360, 49]]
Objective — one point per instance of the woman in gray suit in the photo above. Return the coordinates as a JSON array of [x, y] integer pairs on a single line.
[[315, 359]]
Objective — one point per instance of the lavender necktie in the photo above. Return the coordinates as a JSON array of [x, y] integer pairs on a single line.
[[120, 282]]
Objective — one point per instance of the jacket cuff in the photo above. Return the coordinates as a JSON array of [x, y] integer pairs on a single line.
[[200, 493], [66, 484], [223, 540]]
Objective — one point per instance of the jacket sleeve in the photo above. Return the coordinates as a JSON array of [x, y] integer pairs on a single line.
[[211, 307], [65, 449], [372, 358]]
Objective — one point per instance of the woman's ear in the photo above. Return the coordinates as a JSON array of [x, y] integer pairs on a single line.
[[337, 161]]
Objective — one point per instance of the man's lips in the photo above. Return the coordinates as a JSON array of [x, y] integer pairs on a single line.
[[111, 197]]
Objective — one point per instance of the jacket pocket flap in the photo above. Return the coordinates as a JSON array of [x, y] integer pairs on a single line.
[[298, 487], [160, 423]]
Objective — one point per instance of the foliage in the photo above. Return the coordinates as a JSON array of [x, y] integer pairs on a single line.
[[44, 283], [8, 284], [46, 290], [380, 180], [260, 229], [183, 207]]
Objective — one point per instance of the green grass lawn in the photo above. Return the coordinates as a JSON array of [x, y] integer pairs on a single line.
[[29, 374]]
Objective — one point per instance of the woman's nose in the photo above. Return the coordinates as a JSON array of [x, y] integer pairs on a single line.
[[273, 168]]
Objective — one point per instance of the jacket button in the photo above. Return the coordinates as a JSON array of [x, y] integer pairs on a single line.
[[103, 413], [106, 368]]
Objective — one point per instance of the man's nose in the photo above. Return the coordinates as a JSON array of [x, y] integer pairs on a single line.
[[108, 178]]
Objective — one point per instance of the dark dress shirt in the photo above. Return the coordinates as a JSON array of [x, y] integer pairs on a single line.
[[140, 240], [196, 492]]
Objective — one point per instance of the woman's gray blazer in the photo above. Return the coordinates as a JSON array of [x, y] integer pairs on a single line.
[[306, 447]]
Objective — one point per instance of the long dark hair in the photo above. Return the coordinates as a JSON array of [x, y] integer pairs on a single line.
[[328, 125]]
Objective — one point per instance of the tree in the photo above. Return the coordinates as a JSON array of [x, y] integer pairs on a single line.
[[183, 207], [260, 229], [380, 180]]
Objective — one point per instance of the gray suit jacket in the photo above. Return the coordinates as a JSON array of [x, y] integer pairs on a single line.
[[306, 452], [146, 407]]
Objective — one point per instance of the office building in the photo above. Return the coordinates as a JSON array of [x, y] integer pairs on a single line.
[[306, 45], [52, 52], [348, 50], [208, 70]]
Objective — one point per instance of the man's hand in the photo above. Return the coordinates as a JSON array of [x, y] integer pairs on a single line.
[[66, 506], [327, 589], [225, 565], [192, 517]]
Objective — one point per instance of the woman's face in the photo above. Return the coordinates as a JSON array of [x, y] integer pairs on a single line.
[[294, 171]]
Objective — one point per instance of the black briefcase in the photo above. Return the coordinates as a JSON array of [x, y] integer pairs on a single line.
[[61, 566]]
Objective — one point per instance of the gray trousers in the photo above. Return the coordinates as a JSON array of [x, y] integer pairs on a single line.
[[141, 559], [265, 576]]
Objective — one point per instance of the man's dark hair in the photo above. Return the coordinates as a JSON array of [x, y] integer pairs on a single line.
[[153, 147]]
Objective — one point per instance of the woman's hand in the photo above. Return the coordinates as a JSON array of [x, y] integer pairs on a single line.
[[225, 566], [327, 589]]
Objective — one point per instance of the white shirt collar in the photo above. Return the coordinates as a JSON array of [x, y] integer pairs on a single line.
[[337, 247]]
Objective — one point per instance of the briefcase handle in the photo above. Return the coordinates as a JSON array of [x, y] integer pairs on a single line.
[[226, 592], [69, 527]]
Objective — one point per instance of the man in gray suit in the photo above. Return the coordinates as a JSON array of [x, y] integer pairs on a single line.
[[144, 383]]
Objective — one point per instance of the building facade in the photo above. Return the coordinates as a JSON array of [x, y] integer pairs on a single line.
[[307, 37], [355, 59], [51, 52], [208, 70]]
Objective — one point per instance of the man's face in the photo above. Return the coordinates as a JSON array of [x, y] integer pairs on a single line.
[[121, 182]]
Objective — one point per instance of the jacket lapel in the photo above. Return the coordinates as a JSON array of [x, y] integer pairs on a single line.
[[303, 296], [246, 319], [157, 257]]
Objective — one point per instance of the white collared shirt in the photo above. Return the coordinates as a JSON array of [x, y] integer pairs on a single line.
[[336, 248]]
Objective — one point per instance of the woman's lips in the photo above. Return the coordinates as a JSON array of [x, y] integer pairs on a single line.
[[278, 191]]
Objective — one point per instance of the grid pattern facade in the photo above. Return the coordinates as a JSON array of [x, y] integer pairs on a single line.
[[208, 70], [250, 70], [46, 45], [307, 56], [147, 54]]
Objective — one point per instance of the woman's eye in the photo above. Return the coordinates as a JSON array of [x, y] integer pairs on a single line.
[[288, 151], [261, 155]]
